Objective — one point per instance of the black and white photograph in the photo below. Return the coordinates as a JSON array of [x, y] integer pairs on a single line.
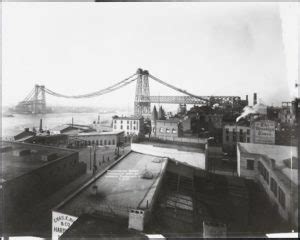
[[149, 120]]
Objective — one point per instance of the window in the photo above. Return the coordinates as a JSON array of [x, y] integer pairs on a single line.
[[281, 197], [250, 164], [161, 130], [127, 122], [248, 139], [101, 142], [134, 122], [227, 130], [113, 141], [167, 130], [115, 121], [227, 138], [121, 121], [127, 127], [105, 142], [93, 142], [173, 130], [108, 142], [263, 171], [241, 131], [248, 131], [121, 126], [134, 128], [234, 137], [273, 186], [97, 142]]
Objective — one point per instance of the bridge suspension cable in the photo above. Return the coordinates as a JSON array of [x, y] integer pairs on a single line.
[[176, 88], [111, 88], [29, 96]]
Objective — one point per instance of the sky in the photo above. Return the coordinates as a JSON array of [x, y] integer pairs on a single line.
[[204, 48]]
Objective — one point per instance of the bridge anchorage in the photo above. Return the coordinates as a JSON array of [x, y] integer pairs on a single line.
[[35, 102]]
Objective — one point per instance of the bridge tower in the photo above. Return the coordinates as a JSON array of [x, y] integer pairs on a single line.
[[39, 100], [142, 104]]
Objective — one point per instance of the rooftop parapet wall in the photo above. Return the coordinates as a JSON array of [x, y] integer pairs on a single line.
[[192, 158]]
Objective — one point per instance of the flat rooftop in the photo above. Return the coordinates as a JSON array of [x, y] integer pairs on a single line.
[[184, 148], [92, 227], [100, 133], [20, 158], [192, 156], [119, 189]]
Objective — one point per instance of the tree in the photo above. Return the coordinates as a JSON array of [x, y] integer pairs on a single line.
[[161, 114], [154, 114]]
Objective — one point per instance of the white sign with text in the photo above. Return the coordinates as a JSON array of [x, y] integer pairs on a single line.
[[60, 223]]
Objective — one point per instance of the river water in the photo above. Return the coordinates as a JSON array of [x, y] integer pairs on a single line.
[[14, 125]]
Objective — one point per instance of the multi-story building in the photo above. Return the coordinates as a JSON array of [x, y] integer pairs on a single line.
[[167, 128], [132, 126], [258, 131], [286, 114], [262, 131], [275, 168], [232, 134]]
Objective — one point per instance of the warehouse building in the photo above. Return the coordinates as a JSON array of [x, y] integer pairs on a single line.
[[30, 173], [114, 138]]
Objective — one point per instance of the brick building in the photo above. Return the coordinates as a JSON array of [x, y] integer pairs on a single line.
[[115, 138]]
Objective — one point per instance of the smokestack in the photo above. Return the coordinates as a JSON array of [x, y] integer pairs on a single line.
[[41, 125], [254, 99], [247, 100]]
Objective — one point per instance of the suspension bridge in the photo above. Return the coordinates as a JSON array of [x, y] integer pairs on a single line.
[[35, 101]]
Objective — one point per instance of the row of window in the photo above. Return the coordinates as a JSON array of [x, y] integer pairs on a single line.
[[101, 142], [241, 139], [134, 121], [241, 131], [167, 130], [121, 127], [277, 191]]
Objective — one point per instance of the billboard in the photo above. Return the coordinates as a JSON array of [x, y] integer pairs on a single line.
[[263, 132], [60, 223]]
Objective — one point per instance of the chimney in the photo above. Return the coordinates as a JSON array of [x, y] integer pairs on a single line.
[[254, 99], [247, 99], [98, 119], [41, 125]]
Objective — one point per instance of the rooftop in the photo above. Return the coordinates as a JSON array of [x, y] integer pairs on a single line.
[[169, 121], [281, 155], [88, 226], [100, 133], [192, 156], [120, 188], [128, 118], [20, 158]]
